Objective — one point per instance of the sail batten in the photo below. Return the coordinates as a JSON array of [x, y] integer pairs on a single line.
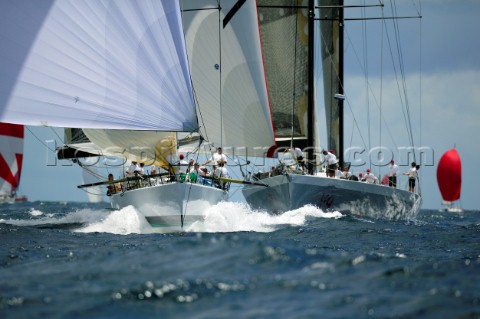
[[96, 64]]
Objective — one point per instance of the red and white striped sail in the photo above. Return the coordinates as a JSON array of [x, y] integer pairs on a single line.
[[11, 157], [449, 175]]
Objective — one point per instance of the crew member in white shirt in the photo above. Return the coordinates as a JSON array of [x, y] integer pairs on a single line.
[[345, 174], [412, 176], [141, 169], [221, 171], [338, 173], [392, 174], [182, 164], [332, 162], [217, 158], [300, 156], [133, 168], [370, 178]]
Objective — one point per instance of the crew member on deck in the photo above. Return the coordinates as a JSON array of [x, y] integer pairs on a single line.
[[345, 174], [141, 169], [332, 163], [338, 173], [300, 158], [112, 188], [202, 177], [182, 167], [191, 162], [194, 173], [217, 158], [412, 176], [132, 169], [221, 171], [370, 177], [392, 174]]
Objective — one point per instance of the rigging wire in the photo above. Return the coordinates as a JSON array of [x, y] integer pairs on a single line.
[[403, 98], [38, 139], [381, 87], [294, 75], [55, 132], [374, 98], [406, 111], [220, 70], [420, 79], [355, 122], [90, 171], [366, 76], [333, 65], [184, 211], [198, 108]]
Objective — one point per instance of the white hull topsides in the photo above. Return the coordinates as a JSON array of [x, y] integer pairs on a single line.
[[292, 191], [172, 206]]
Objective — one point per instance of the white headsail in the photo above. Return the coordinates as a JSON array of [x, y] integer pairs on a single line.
[[95, 64]]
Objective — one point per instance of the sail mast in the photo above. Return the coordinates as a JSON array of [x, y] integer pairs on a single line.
[[340, 84], [311, 77]]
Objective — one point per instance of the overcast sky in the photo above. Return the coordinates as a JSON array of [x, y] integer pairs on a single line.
[[449, 103]]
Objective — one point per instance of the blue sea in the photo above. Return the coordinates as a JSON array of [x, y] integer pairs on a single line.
[[75, 260]]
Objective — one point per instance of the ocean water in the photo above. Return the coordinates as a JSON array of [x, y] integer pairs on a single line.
[[71, 260]]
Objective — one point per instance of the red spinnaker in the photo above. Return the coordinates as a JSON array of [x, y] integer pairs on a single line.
[[449, 175]]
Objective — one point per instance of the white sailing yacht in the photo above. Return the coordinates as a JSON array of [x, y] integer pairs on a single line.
[[288, 37], [134, 75]]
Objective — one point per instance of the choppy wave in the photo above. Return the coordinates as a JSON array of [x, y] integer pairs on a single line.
[[124, 221], [232, 264], [223, 217], [36, 217], [234, 217]]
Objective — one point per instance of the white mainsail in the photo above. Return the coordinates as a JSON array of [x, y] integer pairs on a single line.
[[95, 64], [228, 75]]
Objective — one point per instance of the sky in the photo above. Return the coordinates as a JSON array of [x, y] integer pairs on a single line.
[[440, 55]]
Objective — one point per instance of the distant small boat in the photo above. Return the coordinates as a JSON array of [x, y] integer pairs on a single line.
[[449, 178], [21, 199], [11, 157]]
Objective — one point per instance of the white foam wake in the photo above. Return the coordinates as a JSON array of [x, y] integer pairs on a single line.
[[234, 216], [122, 222], [223, 217]]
